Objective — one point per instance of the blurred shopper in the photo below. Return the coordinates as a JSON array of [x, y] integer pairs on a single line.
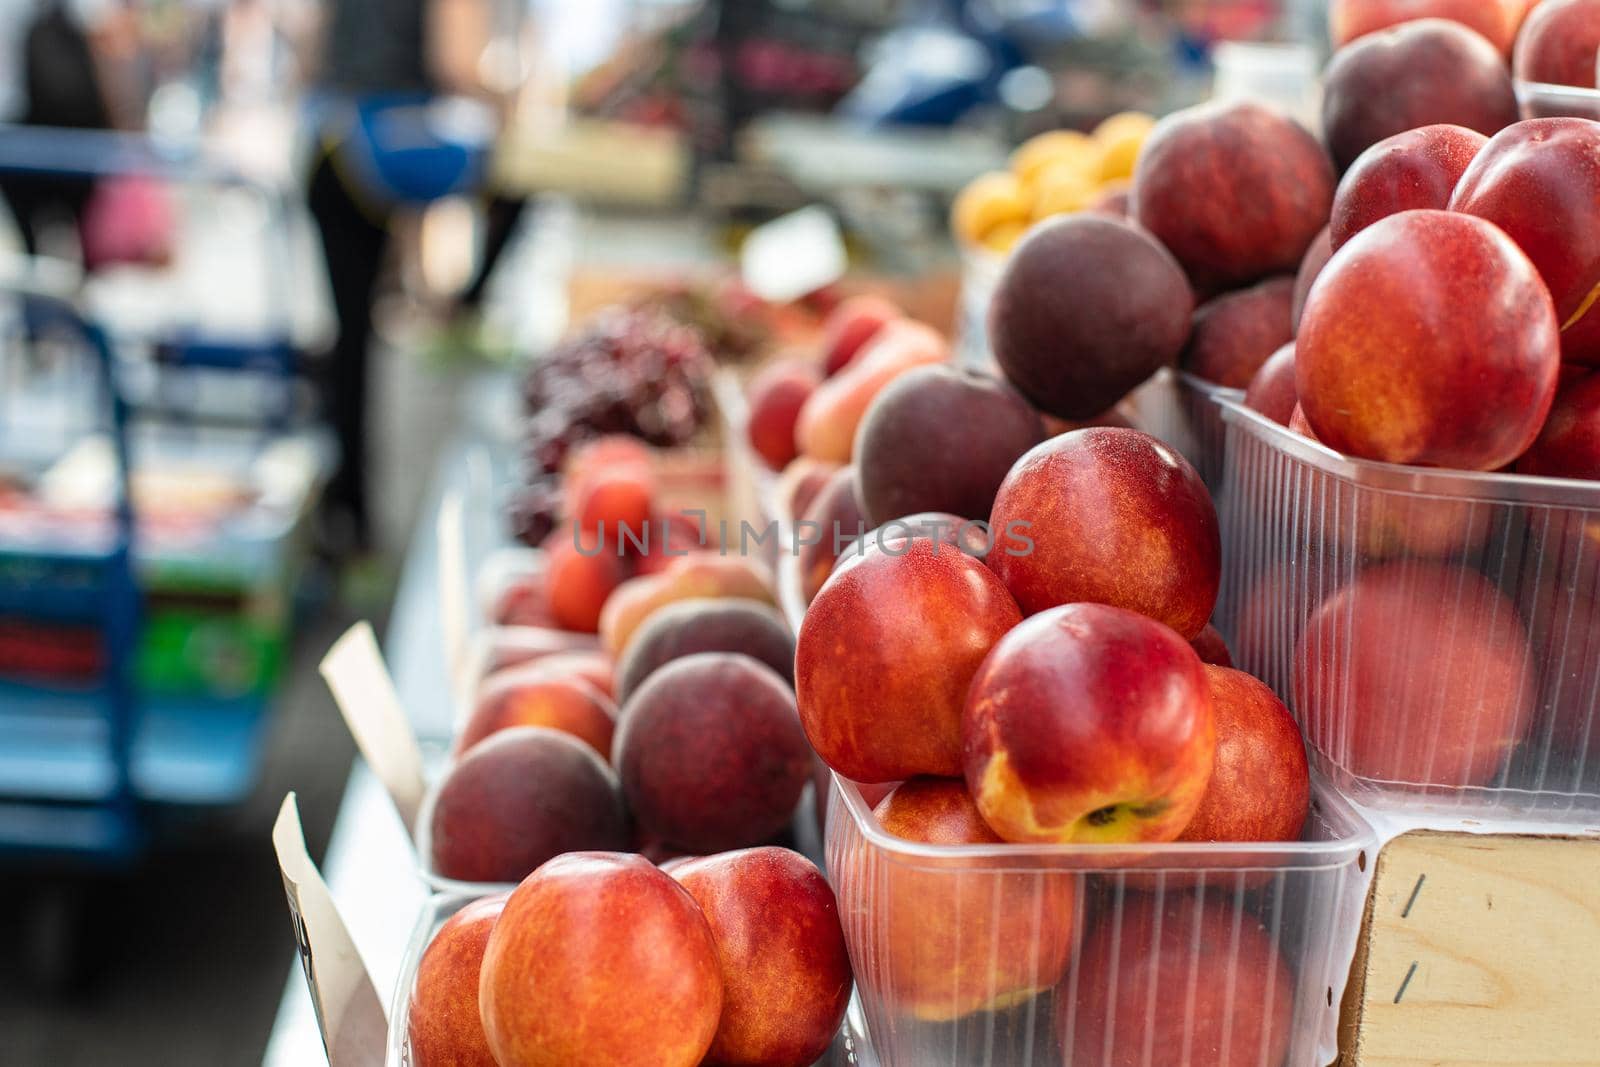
[[378, 57], [63, 63]]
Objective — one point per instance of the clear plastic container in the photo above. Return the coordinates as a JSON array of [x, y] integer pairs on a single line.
[[1543, 101], [1032, 956], [1437, 633], [847, 1051], [1186, 413]]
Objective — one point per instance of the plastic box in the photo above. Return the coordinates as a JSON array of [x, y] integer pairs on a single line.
[[1543, 101], [1437, 633], [936, 932], [847, 1049], [1186, 413]]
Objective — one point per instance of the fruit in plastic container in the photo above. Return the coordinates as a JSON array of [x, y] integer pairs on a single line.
[[940, 439], [776, 395], [1316, 258], [1177, 978], [1237, 191], [885, 655], [1111, 517], [1480, 335], [610, 940], [1559, 42], [533, 696], [1126, 759], [1128, 316], [711, 753], [443, 1026], [1422, 73], [1260, 782], [956, 943], [606, 494], [518, 798], [828, 420], [1235, 333], [1496, 20], [693, 626], [582, 571], [785, 968], [1427, 666], [1211, 648], [1272, 390], [1415, 169]]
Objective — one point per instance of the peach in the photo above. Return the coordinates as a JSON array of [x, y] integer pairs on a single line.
[[1316, 258], [1260, 782], [518, 798], [609, 940], [966, 535], [1421, 73], [885, 655], [1211, 648], [826, 428], [533, 696], [1237, 191], [612, 450], [706, 625], [776, 396], [1497, 20], [1128, 318], [850, 326], [1569, 444], [582, 571], [1127, 759], [514, 646], [686, 578], [1144, 960], [581, 664], [1564, 611], [800, 483], [785, 968], [711, 753], [525, 601], [828, 529], [1115, 200], [1415, 169], [669, 538], [928, 413], [1272, 390], [1539, 181], [442, 1022], [1428, 666], [1476, 323], [1559, 42], [1157, 550], [954, 944], [1234, 334]]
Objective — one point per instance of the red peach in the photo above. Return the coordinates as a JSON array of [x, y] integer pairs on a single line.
[[1497, 20], [1569, 444], [885, 655], [955, 944], [1211, 648], [533, 696], [1415, 169], [800, 483], [1428, 667], [1420, 73], [518, 798], [442, 1023], [584, 938], [776, 396], [827, 530], [1480, 335], [670, 537], [1316, 258], [1127, 759], [583, 571], [711, 754], [1261, 782], [1234, 333], [1272, 390], [1143, 960], [851, 326], [1237, 191], [785, 968], [826, 429], [1156, 551], [1559, 42], [563, 658]]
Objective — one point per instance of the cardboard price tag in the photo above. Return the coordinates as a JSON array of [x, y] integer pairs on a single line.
[[793, 255], [361, 685], [354, 1027]]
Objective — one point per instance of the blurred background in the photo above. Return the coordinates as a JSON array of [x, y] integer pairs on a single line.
[[264, 262]]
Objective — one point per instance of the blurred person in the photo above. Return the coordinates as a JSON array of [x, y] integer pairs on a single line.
[[64, 64], [371, 51]]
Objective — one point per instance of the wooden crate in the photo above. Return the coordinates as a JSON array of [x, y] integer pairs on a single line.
[[1478, 951]]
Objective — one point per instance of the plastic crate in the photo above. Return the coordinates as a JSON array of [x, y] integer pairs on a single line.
[[938, 932], [1186, 413], [1543, 101], [848, 1049], [1437, 633]]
